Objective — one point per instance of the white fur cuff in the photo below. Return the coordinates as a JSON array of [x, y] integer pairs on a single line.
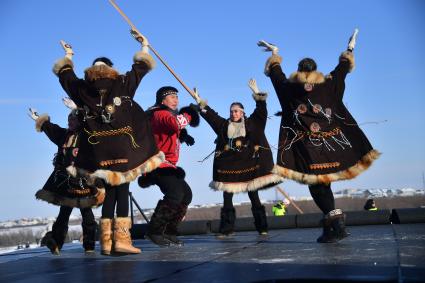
[[261, 96], [40, 121], [144, 57], [349, 56], [60, 63], [274, 59]]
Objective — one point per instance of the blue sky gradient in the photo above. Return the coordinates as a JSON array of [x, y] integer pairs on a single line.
[[212, 45]]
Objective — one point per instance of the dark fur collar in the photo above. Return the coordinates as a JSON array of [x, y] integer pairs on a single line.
[[307, 77], [100, 72]]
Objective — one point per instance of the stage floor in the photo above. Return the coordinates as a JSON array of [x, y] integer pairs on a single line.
[[375, 253]]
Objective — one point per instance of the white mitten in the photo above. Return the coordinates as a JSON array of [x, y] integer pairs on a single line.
[[352, 40], [68, 49], [268, 47], [202, 103], [32, 113], [253, 86], [140, 38], [69, 103]]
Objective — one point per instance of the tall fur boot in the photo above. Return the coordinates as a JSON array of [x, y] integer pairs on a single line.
[[333, 227], [105, 236], [227, 222], [50, 243], [162, 215], [55, 239], [170, 232], [260, 219], [122, 236]]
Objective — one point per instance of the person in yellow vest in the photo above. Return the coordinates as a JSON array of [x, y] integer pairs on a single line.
[[279, 209], [370, 205]]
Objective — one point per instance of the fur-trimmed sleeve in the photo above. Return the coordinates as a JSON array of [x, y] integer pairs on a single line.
[[259, 116], [213, 119], [143, 64], [337, 76], [55, 133]]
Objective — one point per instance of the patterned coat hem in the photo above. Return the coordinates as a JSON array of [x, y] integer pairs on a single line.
[[311, 179], [116, 178], [249, 186], [59, 200]]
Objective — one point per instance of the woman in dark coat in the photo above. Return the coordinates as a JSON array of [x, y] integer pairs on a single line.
[[116, 143], [64, 190], [243, 159], [319, 140]]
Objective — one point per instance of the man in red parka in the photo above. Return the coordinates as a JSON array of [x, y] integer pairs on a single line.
[[168, 128]]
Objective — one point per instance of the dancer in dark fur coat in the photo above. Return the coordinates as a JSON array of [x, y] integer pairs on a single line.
[[168, 127], [319, 140], [64, 190], [243, 159], [116, 143]]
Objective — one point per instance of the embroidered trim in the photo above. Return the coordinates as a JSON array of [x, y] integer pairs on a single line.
[[112, 161], [327, 134], [318, 166], [126, 130], [239, 171]]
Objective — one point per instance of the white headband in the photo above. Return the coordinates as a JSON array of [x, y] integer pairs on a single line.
[[236, 107], [99, 63]]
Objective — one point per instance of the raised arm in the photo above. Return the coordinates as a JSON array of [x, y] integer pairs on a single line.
[[260, 113], [42, 124]]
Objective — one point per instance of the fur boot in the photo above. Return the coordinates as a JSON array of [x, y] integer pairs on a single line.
[[105, 236], [333, 227], [122, 236], [260, 219], [227, 222], [163, 214], [50, 243], [170, 232]]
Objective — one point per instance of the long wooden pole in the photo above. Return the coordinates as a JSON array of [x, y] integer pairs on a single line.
[[153, 50], [289, 199]]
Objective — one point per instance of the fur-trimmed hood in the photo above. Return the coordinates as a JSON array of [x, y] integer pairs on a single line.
[[307, 77], [100, 72]]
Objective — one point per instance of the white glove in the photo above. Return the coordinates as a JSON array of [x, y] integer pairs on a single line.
[[69, 103], [268, 47], [68, 49], [32, 113], [253, 86], [352, 40], [140, 38], [196, 96]]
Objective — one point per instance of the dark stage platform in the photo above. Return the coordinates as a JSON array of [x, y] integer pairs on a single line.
[[373, 253]]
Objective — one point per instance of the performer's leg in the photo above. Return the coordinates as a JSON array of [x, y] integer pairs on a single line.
[[334, 220], [170, 232], [122, 199], [122, 224], [259, 213], [89, 229], [60, 227], [227, 216], [105, 222], [323, 197]]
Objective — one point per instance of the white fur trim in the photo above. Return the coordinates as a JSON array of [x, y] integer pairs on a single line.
[[60, 63], [272, 60], [116, 178], [235, 130], [261, 96], [141, 56], [310, 179], [40, 121], [252, 185], [348, 55]]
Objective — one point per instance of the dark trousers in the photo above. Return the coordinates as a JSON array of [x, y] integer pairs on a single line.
[[323, 197], [116, 196], [253, 196], [174, 187], [60, 227]]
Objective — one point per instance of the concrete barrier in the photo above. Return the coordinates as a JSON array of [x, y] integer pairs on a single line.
[[408, 215], [365, 217], [282, 222], [308, 220]]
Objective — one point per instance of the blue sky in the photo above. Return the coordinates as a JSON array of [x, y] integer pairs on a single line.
[[212, 45]]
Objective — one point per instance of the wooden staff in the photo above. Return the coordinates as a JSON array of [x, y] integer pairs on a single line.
[[153, 50], [289, 199]]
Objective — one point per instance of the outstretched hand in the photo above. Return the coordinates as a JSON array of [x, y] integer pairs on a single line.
[[139, 37], [69, 103], [268, 46], [32, 113], [253, 86], [352, 40], [68, 49], [196, 96]]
